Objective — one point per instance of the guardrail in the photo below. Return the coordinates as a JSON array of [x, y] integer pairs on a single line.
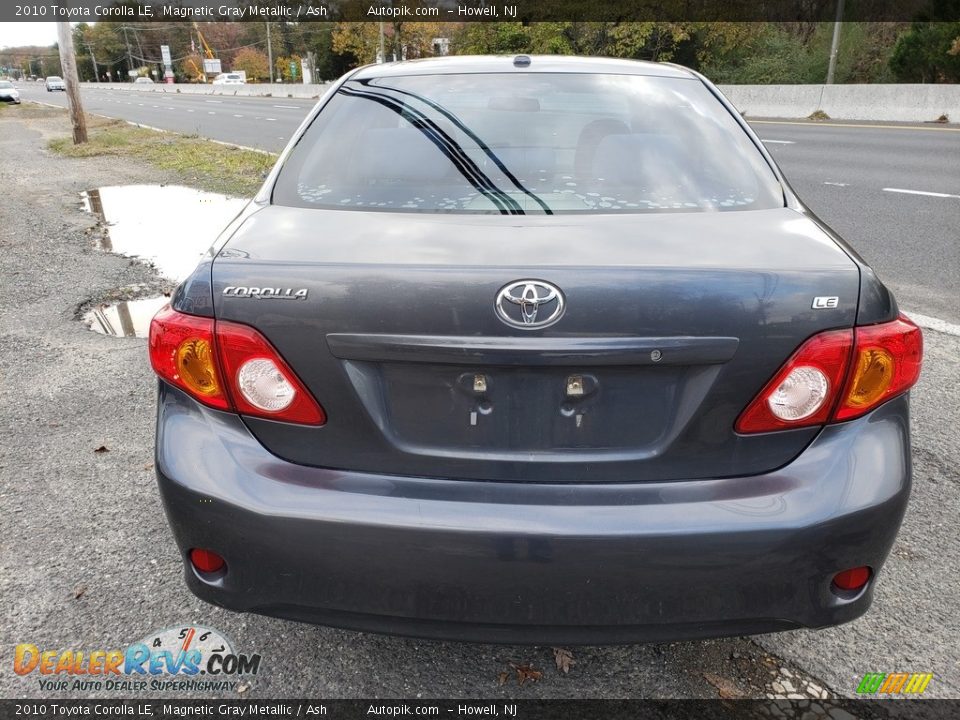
[[277, 90], [904, 103]]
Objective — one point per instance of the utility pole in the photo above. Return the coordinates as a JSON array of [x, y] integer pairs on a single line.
[[835, 44], [68, 62], [129, 53], [269, 54], [382, 58], [93, 59]]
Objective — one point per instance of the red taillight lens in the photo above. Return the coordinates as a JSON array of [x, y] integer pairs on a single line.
[[803, 392], [229, 366], [261, 383], [886, 362], [183, 352], [853, 371]]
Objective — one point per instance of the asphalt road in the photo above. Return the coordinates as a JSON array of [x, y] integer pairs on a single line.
[[90, 563], [846, 173]]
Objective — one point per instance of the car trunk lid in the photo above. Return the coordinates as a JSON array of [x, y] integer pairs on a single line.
[[672, 323]]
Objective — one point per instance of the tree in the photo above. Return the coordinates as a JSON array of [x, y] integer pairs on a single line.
[[282, 67], [925, 53], [253, 62]]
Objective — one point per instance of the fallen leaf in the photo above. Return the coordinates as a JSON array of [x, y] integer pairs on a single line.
[[102, 449], [726, 689], [526, 673], [243, 687], [564, 659], [149, 466], [502, 678], [79, 591]]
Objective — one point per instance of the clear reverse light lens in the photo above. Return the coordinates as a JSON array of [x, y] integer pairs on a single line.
[[264, 386], [800, 394]]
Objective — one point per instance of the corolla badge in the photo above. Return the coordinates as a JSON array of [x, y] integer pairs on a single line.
[[266, 293], [530, 304]]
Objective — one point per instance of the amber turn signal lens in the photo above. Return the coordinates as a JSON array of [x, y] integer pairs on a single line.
[[196, 366], [871, 377]]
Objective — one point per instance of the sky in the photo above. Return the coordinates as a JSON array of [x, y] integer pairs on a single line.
[[13, 34]]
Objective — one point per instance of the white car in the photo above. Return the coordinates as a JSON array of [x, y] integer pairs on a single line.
[[8, 93], [229, 79], [143, 81], [56, 83]]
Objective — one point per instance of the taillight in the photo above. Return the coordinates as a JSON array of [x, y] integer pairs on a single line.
[[838, 375], [229, 366], [886, 362], [261, 383], [803, 391], [183, 352]]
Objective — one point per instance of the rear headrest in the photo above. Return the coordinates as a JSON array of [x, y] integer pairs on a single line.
[[400, 154], [639, 159]]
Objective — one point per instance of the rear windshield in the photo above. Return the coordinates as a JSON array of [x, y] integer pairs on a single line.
[[526, 143], [5, 84]]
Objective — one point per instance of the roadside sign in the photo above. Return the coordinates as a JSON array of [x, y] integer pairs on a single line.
[[212, 66], [293, 70], [165, 54]]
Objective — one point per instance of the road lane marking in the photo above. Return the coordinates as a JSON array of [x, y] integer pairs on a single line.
[[272, 119], [189, 110], [238, 116], [920, 192], [778, 142], [219, 102], [289, 107], [210, 112], [852, 125], [932, 323], [837, 184]]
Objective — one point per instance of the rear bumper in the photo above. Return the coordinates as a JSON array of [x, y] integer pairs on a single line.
[[507, 562]]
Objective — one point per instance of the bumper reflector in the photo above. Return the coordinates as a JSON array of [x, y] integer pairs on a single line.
[[206, 561], [852, 579]]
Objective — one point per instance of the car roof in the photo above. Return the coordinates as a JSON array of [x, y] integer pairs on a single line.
[[450, 65]]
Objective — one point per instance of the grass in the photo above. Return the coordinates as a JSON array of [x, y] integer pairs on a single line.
[[200, 163]]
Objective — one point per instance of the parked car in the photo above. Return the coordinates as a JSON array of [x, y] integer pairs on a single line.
[[9, 93], [229, 79], [533, 349], [55, 83], [143, 81]]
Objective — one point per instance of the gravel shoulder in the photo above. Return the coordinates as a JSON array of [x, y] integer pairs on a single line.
[[88, 561]]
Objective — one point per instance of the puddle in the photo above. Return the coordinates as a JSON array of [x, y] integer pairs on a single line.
[[168, 226], [130, 318]]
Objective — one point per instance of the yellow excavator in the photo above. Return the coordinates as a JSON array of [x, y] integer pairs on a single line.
[[198, 74]]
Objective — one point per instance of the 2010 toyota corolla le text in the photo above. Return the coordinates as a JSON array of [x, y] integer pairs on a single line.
[[542, 350]]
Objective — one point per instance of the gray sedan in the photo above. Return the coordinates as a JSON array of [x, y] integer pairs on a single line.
[[533, 349]]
